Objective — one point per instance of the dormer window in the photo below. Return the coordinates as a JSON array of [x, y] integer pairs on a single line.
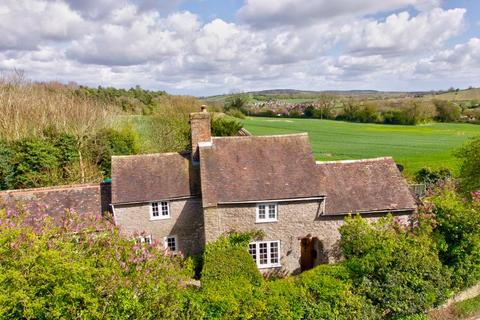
[[159, 210], [267, 212]]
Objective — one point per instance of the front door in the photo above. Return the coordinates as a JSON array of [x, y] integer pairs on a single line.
[[308, 253]]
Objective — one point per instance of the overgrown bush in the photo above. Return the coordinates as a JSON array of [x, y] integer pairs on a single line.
[[231, 282], [432, 176], [398, 271], [469, 154], [109, 142], [456, 225], [284, 299], [222, 126], [80, 267], [35, 163], [330, 295], [236, 113]]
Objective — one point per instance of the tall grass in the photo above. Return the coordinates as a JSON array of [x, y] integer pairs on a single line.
[[27, 109]]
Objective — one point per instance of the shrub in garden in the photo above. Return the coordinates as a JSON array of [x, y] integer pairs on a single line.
[[398, 271], [284, 299], [231, 282], [456, 229], [329, 294], [81, 268]]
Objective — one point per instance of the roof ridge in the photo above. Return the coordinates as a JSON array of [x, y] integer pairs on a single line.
[[156, 154], [52, 188], [354, 160], [300, 134]]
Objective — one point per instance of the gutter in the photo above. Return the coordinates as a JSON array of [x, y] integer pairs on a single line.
[[370, 212], [273, 200], [157, 200]]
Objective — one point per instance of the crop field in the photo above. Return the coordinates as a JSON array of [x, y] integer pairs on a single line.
[[414, 147]]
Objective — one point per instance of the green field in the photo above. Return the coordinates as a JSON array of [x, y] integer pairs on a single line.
[[412, 146]]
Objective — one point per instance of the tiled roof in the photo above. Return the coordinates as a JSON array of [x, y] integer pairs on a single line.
[[363, 186], [241, 169], [55, 201], [153, 177]]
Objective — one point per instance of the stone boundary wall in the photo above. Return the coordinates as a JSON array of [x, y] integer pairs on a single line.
[[81, 198]]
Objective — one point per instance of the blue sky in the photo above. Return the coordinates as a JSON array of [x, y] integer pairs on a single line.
[[206, 47]]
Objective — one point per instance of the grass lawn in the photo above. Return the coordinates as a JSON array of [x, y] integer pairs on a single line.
[[412, 146]]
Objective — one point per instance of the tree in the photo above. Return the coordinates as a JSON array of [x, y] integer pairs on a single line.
[[309, 111], [447, 111], [236, 101], [469, 154]]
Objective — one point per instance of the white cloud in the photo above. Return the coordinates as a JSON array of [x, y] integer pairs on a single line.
[[25, 24], [273, 13], [464, 58], [143, 41], [401, 33], [300, 44]]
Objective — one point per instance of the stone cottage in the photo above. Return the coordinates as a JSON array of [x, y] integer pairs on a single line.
[[268, 183]]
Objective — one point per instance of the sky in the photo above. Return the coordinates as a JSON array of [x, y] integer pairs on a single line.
[[208, 47]]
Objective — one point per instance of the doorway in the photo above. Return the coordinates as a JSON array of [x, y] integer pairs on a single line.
[[309, 254]]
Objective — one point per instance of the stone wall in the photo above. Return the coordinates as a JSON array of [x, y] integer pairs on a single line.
[[296, 220], [185, 222]]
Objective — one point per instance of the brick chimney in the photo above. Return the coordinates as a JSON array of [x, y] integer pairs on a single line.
[[200, 130]]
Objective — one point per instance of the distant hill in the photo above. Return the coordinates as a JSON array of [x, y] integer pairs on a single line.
[[293, 95], [460, 95]]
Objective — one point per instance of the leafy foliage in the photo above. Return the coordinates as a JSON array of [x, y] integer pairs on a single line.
[[80, 267], [469, 154], [399, 272], [431, 176], [447, 111], [456, 228], [222, 126], [329, 291], [109, 142], [231, 282]]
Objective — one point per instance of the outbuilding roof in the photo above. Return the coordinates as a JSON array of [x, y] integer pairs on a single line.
[[364, 186], [254, 168], [153, 177]]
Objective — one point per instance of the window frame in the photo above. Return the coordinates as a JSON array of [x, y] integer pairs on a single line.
[[257, 253], [165, 242], [267, 209], [143, 239], [160, 210]]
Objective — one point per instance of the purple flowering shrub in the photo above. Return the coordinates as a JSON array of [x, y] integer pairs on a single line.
[[79, 266]]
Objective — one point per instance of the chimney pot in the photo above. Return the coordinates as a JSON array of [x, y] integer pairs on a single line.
[[204, 108]]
